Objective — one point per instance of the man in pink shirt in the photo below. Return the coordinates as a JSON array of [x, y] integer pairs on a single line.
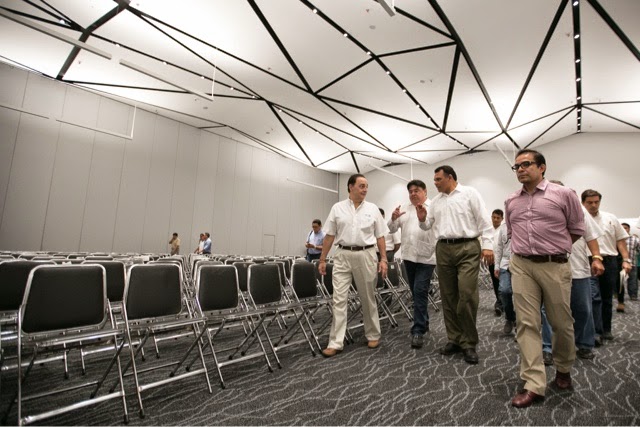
[[543, 220]]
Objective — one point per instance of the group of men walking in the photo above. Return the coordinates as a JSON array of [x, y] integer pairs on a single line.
[[551, 255]]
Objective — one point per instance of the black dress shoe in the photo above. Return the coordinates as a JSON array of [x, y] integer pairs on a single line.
[[450, 348], [526, 398], [563, 380], [598, 341], [470, 356]]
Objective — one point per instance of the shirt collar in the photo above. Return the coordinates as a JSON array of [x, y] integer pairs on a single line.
[[542, 186]]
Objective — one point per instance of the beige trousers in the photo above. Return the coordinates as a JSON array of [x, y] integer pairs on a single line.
[[362, 266], [533, 284]]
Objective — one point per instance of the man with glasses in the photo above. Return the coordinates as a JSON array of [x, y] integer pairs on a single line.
[[543, 221], [314, 241], [458, 217]]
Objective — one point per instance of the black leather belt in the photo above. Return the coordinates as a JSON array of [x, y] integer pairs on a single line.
[[355, 248], [459, 240], [559, 258]]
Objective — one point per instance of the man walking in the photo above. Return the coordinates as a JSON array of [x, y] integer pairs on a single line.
[[418, 255], [543, 221], [356, 227], [458, 217]]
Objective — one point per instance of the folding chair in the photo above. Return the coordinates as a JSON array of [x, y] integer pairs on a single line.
[[399, 290], [265, 293], [222, 304], [65, 306], [153, 305]]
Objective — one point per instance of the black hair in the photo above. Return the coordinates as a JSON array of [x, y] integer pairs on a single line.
[[448, 170]]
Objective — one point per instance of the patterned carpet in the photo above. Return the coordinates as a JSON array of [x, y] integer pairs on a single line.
[[391, 385]]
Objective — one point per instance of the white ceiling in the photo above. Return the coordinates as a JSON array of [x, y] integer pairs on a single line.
[[340, 84]]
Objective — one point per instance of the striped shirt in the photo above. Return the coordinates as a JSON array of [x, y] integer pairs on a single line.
[[542, 223]]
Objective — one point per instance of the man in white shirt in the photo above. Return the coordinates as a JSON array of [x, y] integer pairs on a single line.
[[502, 253], [612, 241], [356, 227], [458, 217], [314, 241], [418, 254], [497, 216]]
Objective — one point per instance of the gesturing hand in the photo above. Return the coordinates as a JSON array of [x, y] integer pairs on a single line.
[[421, 211], [396, 213]]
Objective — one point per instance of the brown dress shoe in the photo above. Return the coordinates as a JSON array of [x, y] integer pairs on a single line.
[[330, 352], [373, 344], [526, 398], [563, 380]]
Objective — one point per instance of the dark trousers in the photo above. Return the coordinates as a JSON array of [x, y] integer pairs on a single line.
[[496, 285], [458, 267], [311, 257], [419, 276], [602, 294]]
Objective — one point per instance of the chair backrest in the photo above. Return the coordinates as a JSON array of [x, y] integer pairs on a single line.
[[264, 283], [217, 287], [61, 297], [393, 274], [328, 278], [243, 268], [303, 280], [281, 270], [13, 281], [116, 278], [153, 290], [98, 258]]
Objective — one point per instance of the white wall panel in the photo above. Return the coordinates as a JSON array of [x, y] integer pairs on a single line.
[[115, 116], [9, 121], [270, 201], [258, 193], [80, 107], [68, 193], [223, 200], [205, 189], [44, 96], [101, 206], [159, 192], [13, 83], [28, 190], [133, 186], [240, 200], [284, 189], [184, 183]]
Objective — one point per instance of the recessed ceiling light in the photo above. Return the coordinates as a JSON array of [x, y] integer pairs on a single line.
[[404, 90], [202, 77], [164, 62], [577, 36], [315, 10], [368, 53], [575, 3], [577, 60], [418, 105], [117, 45], [388, 72], [346, 35], [578, 79], [579, 98], [231, 88], [62, 21]]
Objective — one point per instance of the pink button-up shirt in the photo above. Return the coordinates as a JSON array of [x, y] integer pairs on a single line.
[[542, 223]]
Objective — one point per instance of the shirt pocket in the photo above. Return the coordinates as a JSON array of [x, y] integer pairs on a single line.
[[366, 224]]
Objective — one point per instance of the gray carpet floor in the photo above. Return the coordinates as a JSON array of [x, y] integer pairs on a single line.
[[391, 385]]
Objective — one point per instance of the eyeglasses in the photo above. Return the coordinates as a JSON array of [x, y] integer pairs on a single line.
[[523, 165]]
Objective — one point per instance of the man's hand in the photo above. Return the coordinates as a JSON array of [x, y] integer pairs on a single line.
[[396, 213], [322, 268], [421, 211], [626, 266], [487, 256], [496, 273], [309, 245], [382, 268], [597, 268]]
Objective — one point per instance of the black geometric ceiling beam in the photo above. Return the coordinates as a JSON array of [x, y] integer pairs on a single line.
[[380, 113], [542, 117], [293, 137], [616, 29], [337, 79], [354, 161], [368, 52], [312, 128], [87, 32], [329, 125], [549, 128], [536, 62], [578, 61], [611, 117], [371, 156], [268, 146], [416, 49], [74, 25], [277, 41], [454, 34], [452, 83], [421, 22], [71, 24], [333, 158], [229, 54], [417, 142], [380, 144]]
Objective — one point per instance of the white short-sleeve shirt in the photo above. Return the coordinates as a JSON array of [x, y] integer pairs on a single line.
[[355, 227]]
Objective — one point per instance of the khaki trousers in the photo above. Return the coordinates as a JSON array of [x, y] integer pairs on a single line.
[[362, 267], [533, 284], [458, 266]]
